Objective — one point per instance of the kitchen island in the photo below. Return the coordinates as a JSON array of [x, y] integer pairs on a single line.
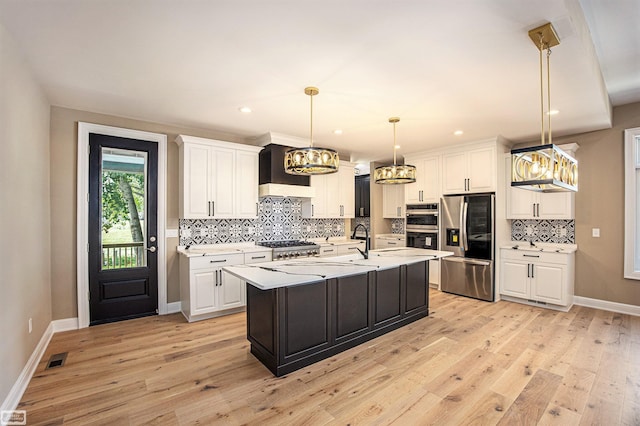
[[304, 310]]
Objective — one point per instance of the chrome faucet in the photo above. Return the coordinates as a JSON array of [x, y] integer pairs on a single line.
[[364, 253]]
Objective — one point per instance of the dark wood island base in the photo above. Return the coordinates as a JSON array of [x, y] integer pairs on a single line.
[[293, 327]]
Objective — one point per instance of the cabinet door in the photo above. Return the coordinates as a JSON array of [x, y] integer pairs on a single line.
[[204, 296], [556, 205], [246, 174], [316, 207], [515, 279], [454, 173], [223, 186], [346, 186], [413, 192], [392, 201], [196, 177], [332, 199], [520, 203], [481, 170], [231, 292], [431, 180], [548, 283]]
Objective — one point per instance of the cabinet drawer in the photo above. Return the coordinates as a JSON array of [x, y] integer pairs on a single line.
[[206, 262], [535, 256], [257, 257]]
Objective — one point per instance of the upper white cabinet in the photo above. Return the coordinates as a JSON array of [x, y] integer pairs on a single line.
[[218, 180], [393, 201], [335, 194], [469, 171], [525, 204], [426, 188]]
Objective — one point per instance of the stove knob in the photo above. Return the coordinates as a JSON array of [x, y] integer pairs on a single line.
[[279, 255]]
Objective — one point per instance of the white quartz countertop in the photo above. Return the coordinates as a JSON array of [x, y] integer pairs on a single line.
[[284, 273], [221, 249], [540, 247]]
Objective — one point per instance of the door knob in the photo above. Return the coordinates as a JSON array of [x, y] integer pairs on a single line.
[[152, 249], [152, 239]]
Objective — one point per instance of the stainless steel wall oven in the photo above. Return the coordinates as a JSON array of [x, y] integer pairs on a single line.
[[422, 226]]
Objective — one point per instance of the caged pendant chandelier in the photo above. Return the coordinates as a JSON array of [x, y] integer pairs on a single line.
[[546, 167], [311, 160], [396, 173]]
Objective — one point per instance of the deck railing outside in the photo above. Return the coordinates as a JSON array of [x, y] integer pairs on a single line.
[[123, 255]]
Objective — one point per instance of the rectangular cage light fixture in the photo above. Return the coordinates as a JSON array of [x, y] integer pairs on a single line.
[[544, 168]]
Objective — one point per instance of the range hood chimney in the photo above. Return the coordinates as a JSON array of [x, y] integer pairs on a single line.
[[274, 181]]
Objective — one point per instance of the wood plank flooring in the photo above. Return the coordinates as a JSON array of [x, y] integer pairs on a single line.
[[469, 362]]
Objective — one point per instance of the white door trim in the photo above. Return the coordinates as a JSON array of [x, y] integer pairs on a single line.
[[82, 254]]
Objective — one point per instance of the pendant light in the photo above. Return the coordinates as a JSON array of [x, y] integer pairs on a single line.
[[544, 168], [310, 160], [396, 173]]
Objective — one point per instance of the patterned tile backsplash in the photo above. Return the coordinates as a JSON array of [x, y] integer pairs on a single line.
[[397, 226], [546, 231], [278, 219]]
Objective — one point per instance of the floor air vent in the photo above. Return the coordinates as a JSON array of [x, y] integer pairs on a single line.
[[56, 360]]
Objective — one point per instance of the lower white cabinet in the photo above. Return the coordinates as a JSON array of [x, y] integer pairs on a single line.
[[206, 291], [390, 241], [537, 277]]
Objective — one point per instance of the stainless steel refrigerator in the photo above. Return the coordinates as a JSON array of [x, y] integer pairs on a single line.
[[467, 229]]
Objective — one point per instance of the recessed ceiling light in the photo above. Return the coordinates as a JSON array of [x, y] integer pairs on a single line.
[[458, 132], [245, 109], [337, 131], [553, 112]]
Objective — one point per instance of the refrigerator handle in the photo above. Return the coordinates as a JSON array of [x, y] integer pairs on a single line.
[[463, 226]]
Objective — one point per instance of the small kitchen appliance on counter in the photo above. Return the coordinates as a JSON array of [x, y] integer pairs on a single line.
[[468, 231], [290, 249]]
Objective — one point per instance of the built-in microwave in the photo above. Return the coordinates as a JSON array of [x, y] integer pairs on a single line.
[[422, 217]]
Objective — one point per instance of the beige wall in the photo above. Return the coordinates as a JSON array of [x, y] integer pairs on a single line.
[[25, 253], [64, 136], [600, 204]]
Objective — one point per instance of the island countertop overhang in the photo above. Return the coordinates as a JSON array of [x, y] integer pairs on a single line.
[[285, 273]]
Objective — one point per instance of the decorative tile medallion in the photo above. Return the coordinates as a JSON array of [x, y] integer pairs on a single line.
[[397, 226]]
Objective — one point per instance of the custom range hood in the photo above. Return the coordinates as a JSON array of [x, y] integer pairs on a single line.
[[273, 180]]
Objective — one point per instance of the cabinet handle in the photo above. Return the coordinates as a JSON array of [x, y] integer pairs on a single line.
[[534, 209], [528, 270], [398, 213], [361, 211], [532, 274], [213, 208], [353, 248], [530, 255], [391, 243], [420, 195], [341, 210], [216, 278], [327, 251], [312, 213], [257, 257], [537, 209], [217, 261], [257, 209]]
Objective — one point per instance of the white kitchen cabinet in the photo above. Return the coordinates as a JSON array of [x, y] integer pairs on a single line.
[[335, 194], [534, 277], [390, 241], [205, 289], [218, 180], [393, 206], [526, 204], [469, 171], [426, 188]]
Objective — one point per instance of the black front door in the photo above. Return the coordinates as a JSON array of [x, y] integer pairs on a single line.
[[123, 205]]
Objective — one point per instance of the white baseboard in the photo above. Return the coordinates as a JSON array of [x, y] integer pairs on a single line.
[[621, 308], [65, 324], [17, 390], [174, 307]]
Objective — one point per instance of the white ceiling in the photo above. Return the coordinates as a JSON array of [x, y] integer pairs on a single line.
[[440, 65]]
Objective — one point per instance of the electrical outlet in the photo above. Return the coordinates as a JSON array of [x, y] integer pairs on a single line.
[[595, 232], [30, 325]]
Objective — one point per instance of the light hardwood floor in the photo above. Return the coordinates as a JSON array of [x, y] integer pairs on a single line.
[[469, 362]]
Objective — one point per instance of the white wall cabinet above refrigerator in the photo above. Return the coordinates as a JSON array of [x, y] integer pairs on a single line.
[[426, 188], [471, 171], [218, 180], [335, 194], [525, 204]]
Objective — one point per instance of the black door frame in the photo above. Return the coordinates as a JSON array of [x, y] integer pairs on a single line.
[[82, 268]]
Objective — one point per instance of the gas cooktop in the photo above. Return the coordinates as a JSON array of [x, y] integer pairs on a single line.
[[286, 244], [291, 248]]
